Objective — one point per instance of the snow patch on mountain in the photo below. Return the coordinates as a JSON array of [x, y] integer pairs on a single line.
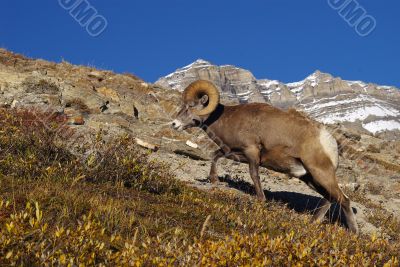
[[174, 80], [244, 96], [311, 80], [353, 108], [351, 114], [382, 125], [268, 83], [361, 99]]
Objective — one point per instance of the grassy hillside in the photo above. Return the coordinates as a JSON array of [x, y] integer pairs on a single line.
[[120, 208]]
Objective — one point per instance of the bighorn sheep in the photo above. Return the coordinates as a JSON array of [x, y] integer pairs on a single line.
[[262, 135]]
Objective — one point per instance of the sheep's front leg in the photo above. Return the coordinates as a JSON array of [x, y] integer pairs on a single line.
[[253, 157], [213, 171]]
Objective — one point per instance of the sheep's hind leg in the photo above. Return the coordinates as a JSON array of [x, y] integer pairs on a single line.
[[325, 183], [320, 212]]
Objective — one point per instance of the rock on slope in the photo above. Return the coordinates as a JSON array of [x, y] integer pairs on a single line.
[[368, 107]]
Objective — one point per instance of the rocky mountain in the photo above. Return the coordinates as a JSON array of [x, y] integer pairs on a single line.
[[367, 107]]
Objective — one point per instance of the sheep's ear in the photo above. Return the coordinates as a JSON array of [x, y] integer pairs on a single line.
[[204, 99]]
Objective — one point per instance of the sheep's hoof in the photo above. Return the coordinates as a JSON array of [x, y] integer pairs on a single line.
[[214, 179], [261, 198]]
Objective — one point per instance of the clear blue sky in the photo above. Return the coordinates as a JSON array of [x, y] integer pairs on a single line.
[[276, 39]]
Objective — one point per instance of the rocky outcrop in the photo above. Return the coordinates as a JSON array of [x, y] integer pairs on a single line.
[[87, 99]]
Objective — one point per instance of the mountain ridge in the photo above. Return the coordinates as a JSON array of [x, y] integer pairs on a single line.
[[326, 98], [200, 61]]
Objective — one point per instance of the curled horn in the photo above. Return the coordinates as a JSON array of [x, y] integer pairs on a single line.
[[198, 89]]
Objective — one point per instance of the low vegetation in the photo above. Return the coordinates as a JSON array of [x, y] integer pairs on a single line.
[[120, 208], [387, 222]]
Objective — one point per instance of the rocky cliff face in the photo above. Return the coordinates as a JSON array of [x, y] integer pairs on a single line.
[[367, 107], [235, 83]]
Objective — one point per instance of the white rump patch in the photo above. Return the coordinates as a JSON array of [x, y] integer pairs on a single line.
[[330, 146], [298, 170]]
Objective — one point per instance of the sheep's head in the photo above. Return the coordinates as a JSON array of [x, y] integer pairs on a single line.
[[200, 99]]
